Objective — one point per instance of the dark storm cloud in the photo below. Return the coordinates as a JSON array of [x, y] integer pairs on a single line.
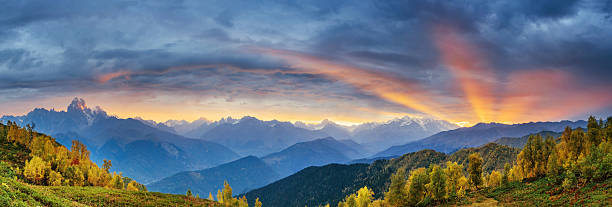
[[58, 46]]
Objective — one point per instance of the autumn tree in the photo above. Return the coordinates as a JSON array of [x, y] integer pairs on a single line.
[[257, 202], [417, 186], [494, 179], [506, 176], [116, 181], [553, 165], [225, 197], [349, 201], [35, 169], [107, 165], [55, 178], [227, 192], [534, 156], [364, 197], [132, 186], [437, 183], [397, 195], [453, 173], [475, 169]]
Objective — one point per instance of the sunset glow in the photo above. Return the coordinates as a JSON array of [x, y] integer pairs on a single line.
[[460, 66]]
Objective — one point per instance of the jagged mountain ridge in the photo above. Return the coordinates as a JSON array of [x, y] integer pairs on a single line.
[[140, 151], [271, 136]]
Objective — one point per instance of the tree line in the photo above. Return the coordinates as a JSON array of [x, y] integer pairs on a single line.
[[53, 164], [575, 158], [224, 196]]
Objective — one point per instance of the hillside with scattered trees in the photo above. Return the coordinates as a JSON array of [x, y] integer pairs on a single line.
[[576, 171], [35, 170], [331, 183], [565, 166]]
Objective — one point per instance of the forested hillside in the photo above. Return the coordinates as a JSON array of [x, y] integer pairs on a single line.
[[479, 134], [519, 142], [331, 183], [35, 170], [575, 171]]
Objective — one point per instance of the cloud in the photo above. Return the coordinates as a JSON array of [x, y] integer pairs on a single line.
[[456, 60]]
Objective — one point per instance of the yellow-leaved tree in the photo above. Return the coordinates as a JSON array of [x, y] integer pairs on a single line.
[[34, 170]]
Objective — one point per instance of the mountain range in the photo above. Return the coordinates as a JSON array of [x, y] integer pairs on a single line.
[[243, 174], [519, 142], [140, 151], [252, 172], [251, 136], [479, 134], [331, 183]]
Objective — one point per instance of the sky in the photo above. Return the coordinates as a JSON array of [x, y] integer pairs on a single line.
[[348, 61]]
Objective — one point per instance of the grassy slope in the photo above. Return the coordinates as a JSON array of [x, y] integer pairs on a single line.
[[542, 193], [15, 193]]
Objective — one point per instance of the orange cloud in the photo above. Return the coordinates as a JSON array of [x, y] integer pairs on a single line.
[[545, 94], [109, 76], [384, 85], [469, 67], [522, 96], [527, 95]]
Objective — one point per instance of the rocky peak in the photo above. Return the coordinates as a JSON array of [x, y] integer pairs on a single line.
[[78, 104]]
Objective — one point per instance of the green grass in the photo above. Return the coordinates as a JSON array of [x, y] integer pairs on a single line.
[[98, 196], [15, 193], [542, 192]]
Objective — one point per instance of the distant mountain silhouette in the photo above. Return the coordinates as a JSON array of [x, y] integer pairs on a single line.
[[244, 174], [138, 150], [251, 136], [252, 172], [519, 142], [312, 153], [379, 136], [314, 186], [479, 134]]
